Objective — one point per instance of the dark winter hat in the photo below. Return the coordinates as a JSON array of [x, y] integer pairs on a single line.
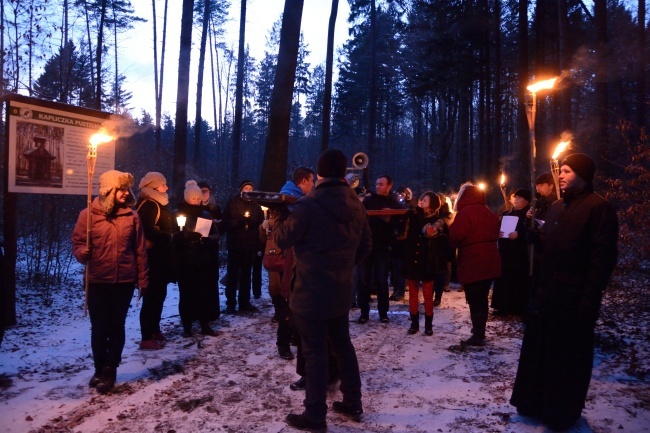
[[524, 193], [583, 166], [332, 163], [244, 183], [544, 178], [152, 180], [203, 184]]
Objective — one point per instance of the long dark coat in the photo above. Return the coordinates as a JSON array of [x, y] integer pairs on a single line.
[[198, 267], [579, 241], [424, 256], [158, 222], [512, 290]]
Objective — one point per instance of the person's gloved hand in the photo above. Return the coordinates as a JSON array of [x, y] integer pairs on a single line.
[[192, 236], [86, 253]]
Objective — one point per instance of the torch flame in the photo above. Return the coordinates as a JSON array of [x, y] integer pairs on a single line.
[[99, 138], [542, 85], [503, 179], [561, 147], [481, 186]]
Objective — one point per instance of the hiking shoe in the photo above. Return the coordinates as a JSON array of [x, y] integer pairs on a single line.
[[384, 319], [351, 412], [94, 381], [158, 337], [210, 332], [285, 353], [474, 340], [362, 319], [249, 308], [304, 423], [299, 385], [151, 345]]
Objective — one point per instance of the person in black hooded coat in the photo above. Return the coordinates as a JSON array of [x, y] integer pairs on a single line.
[[579, 254]]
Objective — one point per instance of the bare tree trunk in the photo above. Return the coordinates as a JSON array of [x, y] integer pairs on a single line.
[[199, 85], [565, 57], [372, 100], [239, 94], [522, 153], [274, 167], [601, 138], [329, 66], [99, 50], [90, 46], [117, 74], [214, 93], [180, 133], [641, 66]]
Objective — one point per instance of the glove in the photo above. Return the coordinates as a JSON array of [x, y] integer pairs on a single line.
[[192, 236], [86, 254]]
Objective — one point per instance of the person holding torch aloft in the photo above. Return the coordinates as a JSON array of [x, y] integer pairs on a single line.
[[117, 262]]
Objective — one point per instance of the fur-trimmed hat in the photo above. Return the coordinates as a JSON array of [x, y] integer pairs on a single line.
[[582, 165], [244, 183], [111, 181], [524, 193], [192, 190], [152, 180], [332, 163]]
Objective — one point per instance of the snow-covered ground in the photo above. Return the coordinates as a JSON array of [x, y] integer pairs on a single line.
[[236, 382]]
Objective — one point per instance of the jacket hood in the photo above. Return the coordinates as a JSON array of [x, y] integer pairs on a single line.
[[330, 192], [469, 195], [290, 188]]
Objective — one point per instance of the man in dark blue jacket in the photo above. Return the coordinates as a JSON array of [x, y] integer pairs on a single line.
[[328, 230]]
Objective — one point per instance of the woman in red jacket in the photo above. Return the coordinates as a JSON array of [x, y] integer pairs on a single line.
[[475, 232], [116, 263]]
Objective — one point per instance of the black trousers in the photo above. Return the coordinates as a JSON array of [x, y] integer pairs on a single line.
[[108, 305], [152, 306], [314, 335], [239, 267], [476, 294], [257, 274]]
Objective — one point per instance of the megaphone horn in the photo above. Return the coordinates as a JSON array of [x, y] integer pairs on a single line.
[[360, 160]]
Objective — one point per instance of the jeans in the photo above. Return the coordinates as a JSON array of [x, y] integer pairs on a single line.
[[108, 305], [374, 265], [314, 336]]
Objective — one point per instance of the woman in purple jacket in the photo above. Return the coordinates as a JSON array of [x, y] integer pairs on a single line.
[[474, 232], [116, 263]]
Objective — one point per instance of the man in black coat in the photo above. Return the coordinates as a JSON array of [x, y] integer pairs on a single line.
[[376, 266], [579, 255], [241, 219], [328, 230]]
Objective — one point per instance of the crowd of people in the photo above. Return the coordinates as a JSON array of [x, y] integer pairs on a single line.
[[334, 249]]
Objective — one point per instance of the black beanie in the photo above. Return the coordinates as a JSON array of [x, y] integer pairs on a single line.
[[582, 165], [332, 163], [544, 178], [244, 183], [524, 193]]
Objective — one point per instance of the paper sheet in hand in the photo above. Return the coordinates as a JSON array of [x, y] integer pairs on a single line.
[[508, 225], [203, 226]]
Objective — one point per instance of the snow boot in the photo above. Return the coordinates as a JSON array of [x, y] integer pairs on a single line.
[[107, 382], [96, 379], [428, 325], [415, 324]]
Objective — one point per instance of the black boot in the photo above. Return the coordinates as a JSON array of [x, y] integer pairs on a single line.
[[428, 325], [96, 379], [415, 324], [107, 382]]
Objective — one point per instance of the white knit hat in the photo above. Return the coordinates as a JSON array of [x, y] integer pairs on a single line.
[[192, 190], [153, 180]]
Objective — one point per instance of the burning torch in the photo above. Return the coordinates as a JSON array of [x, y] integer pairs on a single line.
[[555, 167], [502, 187], [531, 111]]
